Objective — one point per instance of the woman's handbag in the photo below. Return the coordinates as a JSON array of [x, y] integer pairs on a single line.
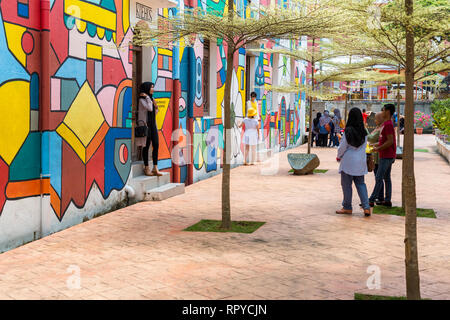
[[370, 162], [141, 131]]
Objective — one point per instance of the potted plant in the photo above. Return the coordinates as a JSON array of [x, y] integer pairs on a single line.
[[421, 120]]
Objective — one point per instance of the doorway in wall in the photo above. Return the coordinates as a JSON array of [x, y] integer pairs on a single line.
[[142, 72]]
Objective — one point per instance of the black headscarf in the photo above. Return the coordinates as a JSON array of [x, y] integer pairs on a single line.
[[145, 88], [355, 132], [316, 120]]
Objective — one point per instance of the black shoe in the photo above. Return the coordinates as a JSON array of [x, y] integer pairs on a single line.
[[371, 204], [386, 204], [379, 203]]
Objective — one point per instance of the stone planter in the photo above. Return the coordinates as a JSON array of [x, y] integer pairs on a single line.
[[303, 163], [443, 148]]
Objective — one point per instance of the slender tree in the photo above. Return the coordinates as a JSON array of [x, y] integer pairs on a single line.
[[412, 34], [303, 18], [324, 55]]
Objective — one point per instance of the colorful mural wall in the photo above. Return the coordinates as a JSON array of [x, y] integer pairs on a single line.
[[66, 110], [281, 126], [74, 139]]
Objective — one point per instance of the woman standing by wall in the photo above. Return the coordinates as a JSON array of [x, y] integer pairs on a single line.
[[353, 162], [147, 110]]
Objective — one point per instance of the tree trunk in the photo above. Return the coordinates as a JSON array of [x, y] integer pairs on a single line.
[[311, 99], [408, 181], [310, 125], [346, 95], [226, 170], [398, 135], [346, 105], [398, 108]]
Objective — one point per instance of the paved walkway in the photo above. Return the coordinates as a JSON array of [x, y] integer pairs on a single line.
[[304, 251]]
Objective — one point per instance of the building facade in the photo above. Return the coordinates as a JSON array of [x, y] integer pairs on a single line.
[[67, 80]]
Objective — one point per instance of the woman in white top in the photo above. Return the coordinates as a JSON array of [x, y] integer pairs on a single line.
[[353, 162], [251, 136]]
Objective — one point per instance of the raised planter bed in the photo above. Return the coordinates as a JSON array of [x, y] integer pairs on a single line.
[[443, 146]]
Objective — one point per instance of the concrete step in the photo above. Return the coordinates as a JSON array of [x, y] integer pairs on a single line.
[[164, 192], [137, 168], [142, 183]]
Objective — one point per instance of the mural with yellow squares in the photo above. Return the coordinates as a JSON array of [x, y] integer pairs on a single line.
[[79, 134], [65, 134]]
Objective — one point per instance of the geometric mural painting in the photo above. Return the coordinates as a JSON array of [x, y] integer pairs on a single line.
[[82, 135], [78, 133], [84, 126]]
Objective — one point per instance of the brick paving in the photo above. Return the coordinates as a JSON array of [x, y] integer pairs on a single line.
[[304, 251]]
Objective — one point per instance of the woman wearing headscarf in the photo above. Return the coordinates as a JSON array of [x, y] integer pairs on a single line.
[[353, 162], [315, 132], [147, 110], [323, 130], [337, 129]]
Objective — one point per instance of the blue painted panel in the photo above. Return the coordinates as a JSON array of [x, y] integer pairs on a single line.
[[8, 61], [113, 181], [176, 63], [34, 92], [211, 164], [164, 164], [127, 101], [23, 10], [27, 163], [73, 68], [183, 174], [54, 163]]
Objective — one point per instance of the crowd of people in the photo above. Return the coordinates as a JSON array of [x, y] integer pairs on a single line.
[[327, 129], [357, 149]]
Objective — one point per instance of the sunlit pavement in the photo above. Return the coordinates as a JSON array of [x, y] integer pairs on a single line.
[[304, 251]]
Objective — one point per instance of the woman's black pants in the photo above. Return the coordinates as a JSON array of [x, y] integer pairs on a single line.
[[152, 138], [323, 139]]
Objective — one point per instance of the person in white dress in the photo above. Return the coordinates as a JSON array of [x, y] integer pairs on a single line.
[[251, 136]]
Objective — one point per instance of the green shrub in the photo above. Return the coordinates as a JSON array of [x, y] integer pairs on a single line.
[[441, 115]]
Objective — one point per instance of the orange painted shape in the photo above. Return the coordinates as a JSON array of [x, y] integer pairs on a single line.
[[55, 202], [163, 151], [97, 140], [29, 188]]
